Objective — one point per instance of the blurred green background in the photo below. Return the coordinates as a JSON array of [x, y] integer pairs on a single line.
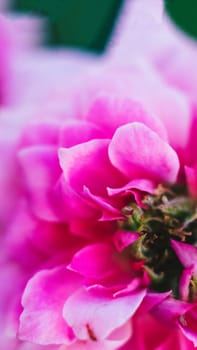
[[77, 23], [184, 14], [88, 23]]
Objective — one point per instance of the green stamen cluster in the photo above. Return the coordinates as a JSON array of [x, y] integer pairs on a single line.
[[167, 214]]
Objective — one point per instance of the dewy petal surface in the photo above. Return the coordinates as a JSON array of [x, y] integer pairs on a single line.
[[139, 152]]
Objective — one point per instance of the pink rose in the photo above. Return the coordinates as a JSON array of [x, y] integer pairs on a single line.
[[100, 204]]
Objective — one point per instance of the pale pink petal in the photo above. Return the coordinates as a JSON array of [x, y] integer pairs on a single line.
[[115, 339], [30, 346], [41, 321], [120, 335], [100, 314]]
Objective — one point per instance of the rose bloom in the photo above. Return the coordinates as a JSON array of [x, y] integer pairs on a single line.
[[99, 209]]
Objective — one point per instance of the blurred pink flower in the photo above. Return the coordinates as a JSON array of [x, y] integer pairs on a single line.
[[98, 209]]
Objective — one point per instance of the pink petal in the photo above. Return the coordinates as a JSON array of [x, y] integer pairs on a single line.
[[120, 336], [184, 283], [113, 342], [20, 240], [170, 310], [192, 144], [41, 172], [188, 323], [30, 346], [135, 285], [99, 313], [123, 239], [92, 228], [40, 134], [143, 185], [191, 178], [152, 299], [135, 188], [109, 112], [139, 152], [186, 253], [73, 205], [41, 321], [108, 211], [38, 240], [177, 340], [156, 336], [88, 164], [95, 261], [75, 132]]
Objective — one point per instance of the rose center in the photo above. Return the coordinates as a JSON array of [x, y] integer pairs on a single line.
[[170, 213]]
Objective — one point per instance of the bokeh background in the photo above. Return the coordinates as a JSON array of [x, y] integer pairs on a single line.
[[88, 24]]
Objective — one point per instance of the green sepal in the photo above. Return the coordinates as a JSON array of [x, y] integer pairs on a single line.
[[137, 249], [155, 277]]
